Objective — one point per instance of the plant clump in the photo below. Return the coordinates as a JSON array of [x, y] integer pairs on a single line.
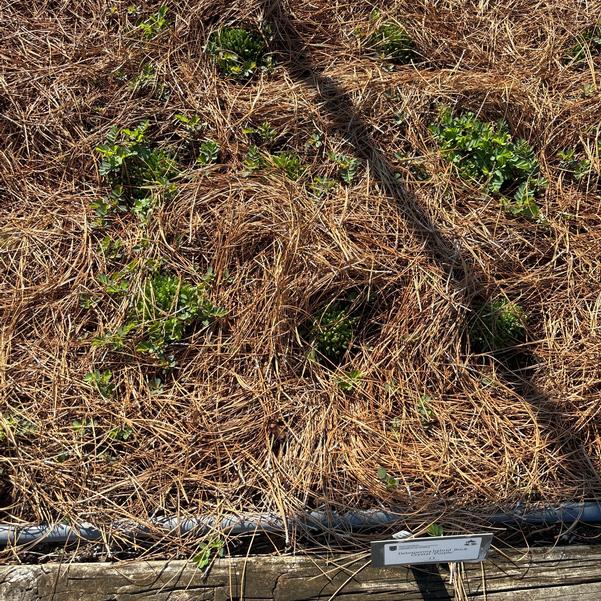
[[487, 155], [133, 168], [498, 325], [238, 52], [332, 333], [166, 307], [391, 42]]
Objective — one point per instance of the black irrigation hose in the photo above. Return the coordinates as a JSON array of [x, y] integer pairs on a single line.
[[315, 522]]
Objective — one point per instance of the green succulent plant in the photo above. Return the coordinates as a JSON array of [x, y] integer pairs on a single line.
[[238, 52], [332, 332]]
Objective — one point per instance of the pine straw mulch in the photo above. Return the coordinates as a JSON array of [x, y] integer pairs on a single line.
[[246, 421]]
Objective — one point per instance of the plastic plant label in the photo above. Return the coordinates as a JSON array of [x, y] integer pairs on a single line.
[[432, 549]]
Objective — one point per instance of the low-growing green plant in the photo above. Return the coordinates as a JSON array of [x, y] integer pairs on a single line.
[[101, 381], [425, 411], [206, 551], [498, 325], [192, 124], [238, 52], [435, 529], [332, 333], [350, 380], [15, 426], [391, 42], [577, 168], [155, 23], [254, 159], [587, 43], [347, 166], [208, 153], [486, 154], [120, 434], [84, 427], [133, 168], [290, 163], [263, 133], [166, 307], [112, 248], [321, 186], [389, 481]]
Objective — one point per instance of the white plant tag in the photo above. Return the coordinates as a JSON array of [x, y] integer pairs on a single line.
[[432, 549]]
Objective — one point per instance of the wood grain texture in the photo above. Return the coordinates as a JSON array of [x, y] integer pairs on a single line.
[[542, 574]]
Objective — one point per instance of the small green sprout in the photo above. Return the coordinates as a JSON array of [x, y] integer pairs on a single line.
[[101, 380], [577, 168], [254, 159], [486, 154], [587, 43], [206, 551], [321, 186], [155, 23], [191, 123], [264, 133], [122, 434], [347, 166], [425, 411], [290, 163], [208, 153], [435, 530], [390, 482], [350, 380], [332, 333]]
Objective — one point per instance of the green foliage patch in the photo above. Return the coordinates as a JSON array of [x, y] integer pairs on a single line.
[[134, 168], [238, 52], [332, 332], [486, 154]]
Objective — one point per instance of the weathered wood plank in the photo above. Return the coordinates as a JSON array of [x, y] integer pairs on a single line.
[[542, 574]]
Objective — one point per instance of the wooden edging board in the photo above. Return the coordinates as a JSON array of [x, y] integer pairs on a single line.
[[531, 575]]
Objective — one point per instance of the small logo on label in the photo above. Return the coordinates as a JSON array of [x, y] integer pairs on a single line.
[[470, 542]]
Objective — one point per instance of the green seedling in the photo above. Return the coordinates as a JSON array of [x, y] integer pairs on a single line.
[[263, 134], [486, 155], [192, 124], [166, 307], [101, 381], [238, 52], [391, 42], [350, 380], [347, 166], [425, 411], [321, 186], [435, 530], [498, 325], [84, 427], [577, 168], [155, 23], [121, 434], [15, 426], [206, 551], [254, 159], [290, 163], [389, 481], [134, 169], [587, 44], [208, 153]]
